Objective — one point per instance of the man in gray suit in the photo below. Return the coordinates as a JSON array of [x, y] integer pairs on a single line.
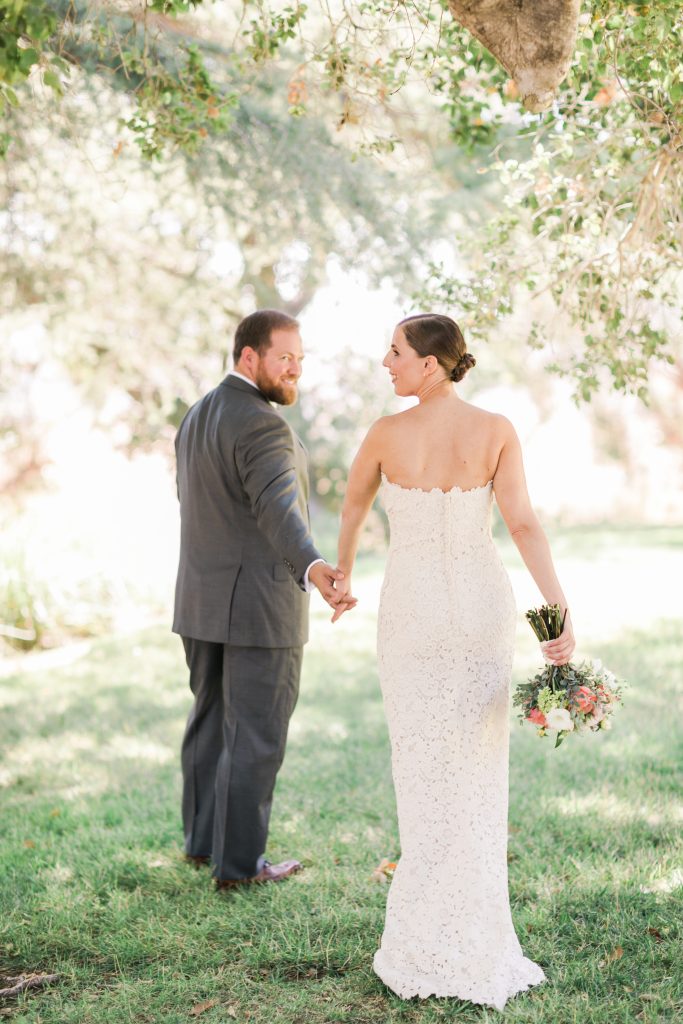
[[247, 562]]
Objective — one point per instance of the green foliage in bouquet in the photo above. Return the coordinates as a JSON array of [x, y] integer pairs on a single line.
[[565, 698]]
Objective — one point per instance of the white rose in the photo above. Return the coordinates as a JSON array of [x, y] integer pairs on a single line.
[[559, 720]]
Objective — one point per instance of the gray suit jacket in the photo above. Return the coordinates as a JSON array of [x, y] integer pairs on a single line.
[[245, 541]]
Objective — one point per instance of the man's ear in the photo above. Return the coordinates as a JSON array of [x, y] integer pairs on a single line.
[[249, 357]]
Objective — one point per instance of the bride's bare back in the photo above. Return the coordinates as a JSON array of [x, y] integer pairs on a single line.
[[445, 444]]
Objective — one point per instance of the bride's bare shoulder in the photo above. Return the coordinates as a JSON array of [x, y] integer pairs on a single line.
[[494, 421], [388, 424], [384, 432]]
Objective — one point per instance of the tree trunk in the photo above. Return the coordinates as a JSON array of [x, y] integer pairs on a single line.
[[533, 40]]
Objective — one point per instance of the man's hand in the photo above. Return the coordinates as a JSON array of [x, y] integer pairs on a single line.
[[329, 582]]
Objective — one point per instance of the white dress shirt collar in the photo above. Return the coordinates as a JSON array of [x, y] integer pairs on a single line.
[[234, 373]]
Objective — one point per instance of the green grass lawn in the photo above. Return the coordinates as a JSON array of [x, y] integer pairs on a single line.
[[94, 888]]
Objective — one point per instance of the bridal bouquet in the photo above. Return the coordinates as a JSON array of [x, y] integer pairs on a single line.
[[565, 698]]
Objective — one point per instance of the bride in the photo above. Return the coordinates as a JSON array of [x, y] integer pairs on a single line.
[[445, 645]]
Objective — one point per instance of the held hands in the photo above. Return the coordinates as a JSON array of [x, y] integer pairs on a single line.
[[559, 652], [345, 597], [333, 586]]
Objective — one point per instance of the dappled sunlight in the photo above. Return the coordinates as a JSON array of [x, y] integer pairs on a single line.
[[624, 744], [47, 752], [157, 860], [291, 824], [309, 727], [604, 864], [45, 661], [139, 750], [55, 777], [178, 697], [614, 808], [79, 764], [335, 731], [667, 884], [58, 875]]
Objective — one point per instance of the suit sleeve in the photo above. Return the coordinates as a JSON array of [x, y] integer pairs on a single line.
[[264, 454]]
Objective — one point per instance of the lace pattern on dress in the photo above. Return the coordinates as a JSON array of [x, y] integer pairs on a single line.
[[445, 641]]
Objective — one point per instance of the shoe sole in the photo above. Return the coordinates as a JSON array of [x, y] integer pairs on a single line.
[[234, 883]]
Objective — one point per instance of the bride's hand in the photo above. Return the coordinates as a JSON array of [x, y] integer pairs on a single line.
[[559, 652], [346, 598]]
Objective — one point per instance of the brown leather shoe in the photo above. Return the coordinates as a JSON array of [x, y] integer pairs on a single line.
[[268, 873], [197, 862]]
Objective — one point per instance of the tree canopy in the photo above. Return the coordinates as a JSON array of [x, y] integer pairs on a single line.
[[586, 229]]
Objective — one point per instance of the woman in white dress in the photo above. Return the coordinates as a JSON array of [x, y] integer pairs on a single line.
[[445, 644]]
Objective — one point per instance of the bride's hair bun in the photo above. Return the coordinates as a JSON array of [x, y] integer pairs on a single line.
[[465, 363], [433, 334]]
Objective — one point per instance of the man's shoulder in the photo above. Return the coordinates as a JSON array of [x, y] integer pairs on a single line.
[[228, 409], [240, 401], [246, 415]]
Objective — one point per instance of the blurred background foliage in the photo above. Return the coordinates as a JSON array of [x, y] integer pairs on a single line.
[[170, 165], [589, 193]]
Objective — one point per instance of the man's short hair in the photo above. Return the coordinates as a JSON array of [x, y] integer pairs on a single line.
[[256, 329]]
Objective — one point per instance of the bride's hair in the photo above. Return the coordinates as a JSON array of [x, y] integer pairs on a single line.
[[432, 334]]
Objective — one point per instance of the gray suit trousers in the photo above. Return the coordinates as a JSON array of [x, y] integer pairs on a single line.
[[233, 746]]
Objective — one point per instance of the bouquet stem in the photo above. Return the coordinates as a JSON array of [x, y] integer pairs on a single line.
[[557, 678]]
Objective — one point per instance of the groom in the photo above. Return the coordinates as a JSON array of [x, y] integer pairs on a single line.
[[247, 562]]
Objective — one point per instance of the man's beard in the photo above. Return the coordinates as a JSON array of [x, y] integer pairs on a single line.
[[275, 392]]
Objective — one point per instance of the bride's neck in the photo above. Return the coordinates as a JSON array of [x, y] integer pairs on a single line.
[[435, 389]]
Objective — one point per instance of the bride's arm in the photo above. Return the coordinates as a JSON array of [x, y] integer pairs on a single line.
[[509, 483], [361, 488]]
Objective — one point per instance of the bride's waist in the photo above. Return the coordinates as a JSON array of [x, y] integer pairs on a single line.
[[429, 564], [461, 545]]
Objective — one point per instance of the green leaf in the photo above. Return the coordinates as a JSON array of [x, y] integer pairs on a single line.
[[27, 58], [52, 80]]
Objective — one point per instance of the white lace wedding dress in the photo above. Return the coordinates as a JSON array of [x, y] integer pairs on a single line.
[[445, 642]]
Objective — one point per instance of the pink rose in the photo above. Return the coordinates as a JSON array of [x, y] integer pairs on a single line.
[[586, 700]]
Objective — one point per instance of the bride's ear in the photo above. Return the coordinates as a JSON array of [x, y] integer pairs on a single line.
[[430, 364]]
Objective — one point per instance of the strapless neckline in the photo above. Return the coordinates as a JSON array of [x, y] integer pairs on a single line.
[[436, 490]]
